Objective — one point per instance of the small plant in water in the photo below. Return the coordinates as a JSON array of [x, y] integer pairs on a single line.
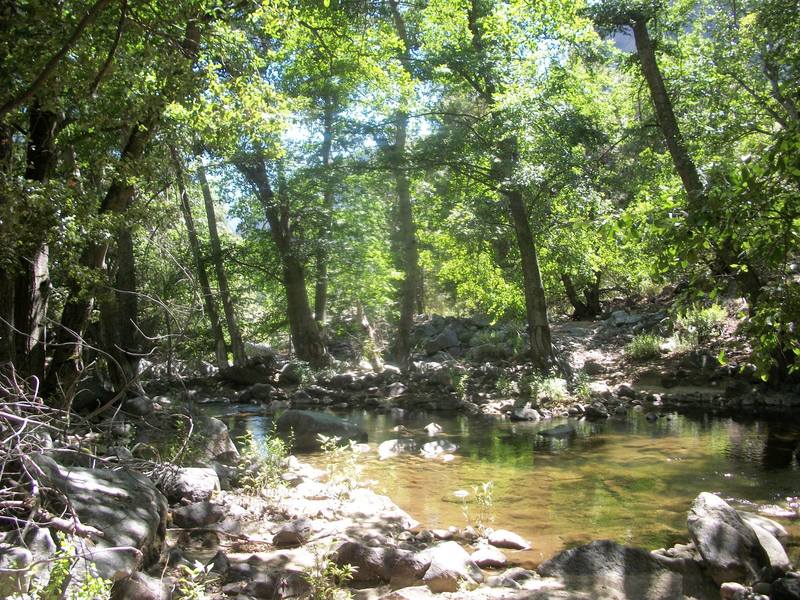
[[643, 346], [261, 463], [341, 460], [326, 579], [483, 516]]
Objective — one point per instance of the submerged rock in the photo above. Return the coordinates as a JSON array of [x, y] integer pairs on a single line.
[[305, 427], [559, 431]]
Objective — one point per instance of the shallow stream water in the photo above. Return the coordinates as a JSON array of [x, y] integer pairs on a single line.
[[628, 479]]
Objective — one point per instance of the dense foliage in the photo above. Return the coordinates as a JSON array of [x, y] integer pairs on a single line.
[[178, 176]]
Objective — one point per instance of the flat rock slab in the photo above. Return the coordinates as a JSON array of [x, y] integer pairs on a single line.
[[730, 548], [124, 505], [610, 570]]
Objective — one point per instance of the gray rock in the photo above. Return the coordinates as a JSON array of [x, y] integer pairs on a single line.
[[409, 569], [294, 533], [596, 411], [437, 447], [779, 562], [396, 447], [259, 369], [621, 317], [511, 578], [217, 445], [631, 573], [525, 413], [786, 588], [140, 406], [450, 565], [433, 428], [559, 431], [489, 557], [198, 514], [124, 505], [503, 538], [306, 425], [139, 587], [14, 582], [38, 545], [194, 484], [775, 528], [448, 338], [732, 591], [729, 547], [372, 564], [291, 373], [396, 389], [259, 392]]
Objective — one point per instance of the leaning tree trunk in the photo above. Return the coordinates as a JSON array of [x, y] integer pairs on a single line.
[[237, 345], [727, 249], [684, 164], [589, 307], [306, 336], [541, 343], [209, 301]]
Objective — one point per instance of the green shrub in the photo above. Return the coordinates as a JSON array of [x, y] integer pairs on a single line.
[[643, 346], [697, 324], [344, 470], [261, 463]]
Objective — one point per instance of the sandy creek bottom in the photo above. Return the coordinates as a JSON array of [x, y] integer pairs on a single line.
[[626, 479]]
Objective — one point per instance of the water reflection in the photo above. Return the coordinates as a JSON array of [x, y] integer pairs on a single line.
[[631, 480]]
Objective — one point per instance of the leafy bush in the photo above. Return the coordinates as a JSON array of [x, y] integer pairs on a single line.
[[261, 463], [697, 325], [344, 471], [552, 390], [504, 385], [326, 579], [643, 346]]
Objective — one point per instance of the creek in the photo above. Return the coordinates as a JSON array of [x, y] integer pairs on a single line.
[[628, 479]]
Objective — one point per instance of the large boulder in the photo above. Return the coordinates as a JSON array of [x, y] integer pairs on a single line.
[[217, 444], [193, 484], [304, 426], [20, 548], [125, 506], [730, 548], [611, 570], [371, 564], [448, 338], [450, 566]]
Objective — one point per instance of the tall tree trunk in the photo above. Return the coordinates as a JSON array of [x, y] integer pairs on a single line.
[[202, 276], [410, 287], [7, 353], [66, 366], [407, 243], [32, 282], [119, 318], [541, 344], [321, 258], [684, 164], [306, 336], [237, 345]]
